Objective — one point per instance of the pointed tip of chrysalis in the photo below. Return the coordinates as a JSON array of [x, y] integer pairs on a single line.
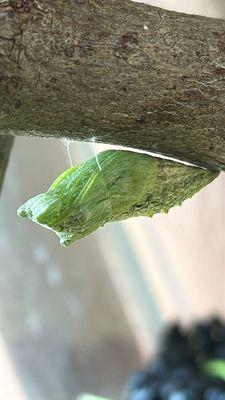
[[22, 212], [208, 177], [199, 179]]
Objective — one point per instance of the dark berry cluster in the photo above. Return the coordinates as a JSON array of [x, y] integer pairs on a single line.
[[178, 371]]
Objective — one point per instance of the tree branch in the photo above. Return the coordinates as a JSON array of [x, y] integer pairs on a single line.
[[123, 72], [6, 143]]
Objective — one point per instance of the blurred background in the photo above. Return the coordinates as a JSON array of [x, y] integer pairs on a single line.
[[83, 318]]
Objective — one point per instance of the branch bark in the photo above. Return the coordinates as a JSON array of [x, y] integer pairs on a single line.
[[123, 72], [6, 143]]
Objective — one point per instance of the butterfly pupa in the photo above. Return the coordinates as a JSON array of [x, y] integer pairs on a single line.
[[129, 184]]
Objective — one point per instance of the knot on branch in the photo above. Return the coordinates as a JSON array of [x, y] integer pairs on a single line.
[[20, 5]]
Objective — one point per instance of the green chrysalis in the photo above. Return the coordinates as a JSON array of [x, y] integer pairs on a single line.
[[122, 184]]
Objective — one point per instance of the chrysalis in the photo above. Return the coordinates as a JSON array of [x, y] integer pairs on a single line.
[[128, 184]]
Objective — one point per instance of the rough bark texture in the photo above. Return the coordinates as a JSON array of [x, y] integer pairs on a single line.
[[123, 72], [6, 143]]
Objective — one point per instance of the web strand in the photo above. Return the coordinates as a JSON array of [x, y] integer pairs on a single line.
[[67, 144], [95, 153]]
